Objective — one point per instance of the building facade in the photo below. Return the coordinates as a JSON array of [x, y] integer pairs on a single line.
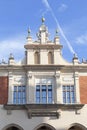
[[44, 91]]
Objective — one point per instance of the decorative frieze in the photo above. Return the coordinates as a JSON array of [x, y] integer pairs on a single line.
[[19, 79], [67, 79]]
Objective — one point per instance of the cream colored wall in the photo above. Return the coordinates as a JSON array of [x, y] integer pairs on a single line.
[[20, 117], [30, 57], [58, 59], [43, 57]]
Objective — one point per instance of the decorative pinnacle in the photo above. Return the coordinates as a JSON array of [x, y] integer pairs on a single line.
[[75, 56], [11, 56], [29, 31], [3, 61], [43, 20], [57, 32]]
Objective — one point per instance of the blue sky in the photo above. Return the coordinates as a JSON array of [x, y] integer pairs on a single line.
[[17, 15]]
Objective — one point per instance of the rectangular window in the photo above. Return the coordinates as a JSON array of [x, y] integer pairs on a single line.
[[49, 93], [43, 93], [68, 94], [19, 95], [38, 93]]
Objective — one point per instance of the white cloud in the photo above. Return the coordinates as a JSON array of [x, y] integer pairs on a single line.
[[82, 39], [14, 46], [62, 7]]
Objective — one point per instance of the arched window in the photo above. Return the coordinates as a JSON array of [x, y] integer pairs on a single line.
[[36, 58], [50, 58], [44, 127], [77, 126], [12, 127]]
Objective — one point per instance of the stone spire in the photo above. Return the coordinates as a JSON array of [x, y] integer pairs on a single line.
[[29, 38], [56, 38], [3, 61], [75, 59], [43, 33], [11, 59]]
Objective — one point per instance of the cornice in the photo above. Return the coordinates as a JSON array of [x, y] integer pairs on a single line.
[[38, 67], [43, 46], [43, 110]]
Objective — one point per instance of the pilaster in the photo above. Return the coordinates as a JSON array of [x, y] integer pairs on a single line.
[[30, 88], [76, 84], [58, 87], [10, 88]]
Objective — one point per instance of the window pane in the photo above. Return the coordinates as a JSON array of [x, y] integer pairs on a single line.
[[49, 100], [14, 101], [64, 100], [49, 87], [43, 87], [68, 100], [44, 100], [49, 94], [19, 101], [73, 97], [24, 101], [64, 97], [44, 94], [24, 88], [72, 88], [72, 94], [19, 88], [68, 88], [64, 88], [38, 94], [19, 94], [23, 94], [15, 88], [15, 94], [37, 86], [37, 100], [68, 94], [64, 94]]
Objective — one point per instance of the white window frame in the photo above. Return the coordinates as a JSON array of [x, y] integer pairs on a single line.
[[71, 102], [40, 83], [17, 94]]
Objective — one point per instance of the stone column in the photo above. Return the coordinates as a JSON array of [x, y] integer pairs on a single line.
[[10, 88]]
